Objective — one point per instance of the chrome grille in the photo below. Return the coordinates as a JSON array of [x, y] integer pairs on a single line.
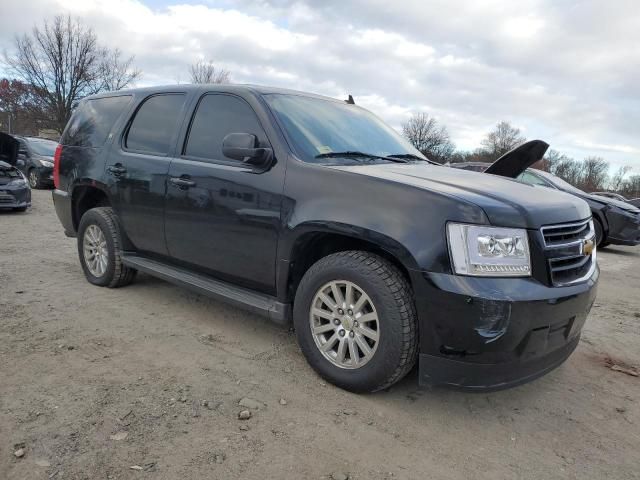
[[6, 197], [570, 251]]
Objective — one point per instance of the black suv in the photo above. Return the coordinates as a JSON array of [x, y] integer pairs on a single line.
[[312, 210]]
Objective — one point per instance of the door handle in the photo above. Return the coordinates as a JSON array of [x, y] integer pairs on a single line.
[[116, 169], [181, 182]]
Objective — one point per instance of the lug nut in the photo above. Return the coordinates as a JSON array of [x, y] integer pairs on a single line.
[[350, 312], [341, 311], [341, 333], [356, 324], [351, 334], [336, 321]]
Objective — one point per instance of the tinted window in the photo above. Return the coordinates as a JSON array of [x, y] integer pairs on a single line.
[[92, 121], [216, 117], [154, 124]]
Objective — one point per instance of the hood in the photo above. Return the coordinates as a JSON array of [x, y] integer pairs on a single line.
[[8, 149], [612, 201], [506, 203], [8, 173], [513, 163]]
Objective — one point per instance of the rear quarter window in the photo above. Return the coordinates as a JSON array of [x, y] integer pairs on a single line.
[[92, 121]]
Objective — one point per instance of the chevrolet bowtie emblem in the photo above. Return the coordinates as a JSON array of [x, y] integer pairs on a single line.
[[587, 247]]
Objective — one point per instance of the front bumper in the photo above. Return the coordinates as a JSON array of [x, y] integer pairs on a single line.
[[15, 197], [46, 175], [624, 227], [484, 333]]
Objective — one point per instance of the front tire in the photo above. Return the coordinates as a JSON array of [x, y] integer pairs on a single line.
[[34, 179], [601, 239], [100, 249], [355, 321]]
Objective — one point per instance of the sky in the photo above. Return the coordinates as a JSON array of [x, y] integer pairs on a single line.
[[564, 71]]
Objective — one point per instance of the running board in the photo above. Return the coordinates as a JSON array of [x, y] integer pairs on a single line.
[[240, 297]]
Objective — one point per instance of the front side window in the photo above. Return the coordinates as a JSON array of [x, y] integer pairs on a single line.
[[531, 179], [154, 124], [320, 128], [217, 116]]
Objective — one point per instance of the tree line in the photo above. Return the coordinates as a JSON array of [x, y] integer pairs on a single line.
[[591, 174], [59, 63]]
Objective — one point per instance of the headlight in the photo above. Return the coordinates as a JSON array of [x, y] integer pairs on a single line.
[[489, 251], [45, 163], [18, 182]]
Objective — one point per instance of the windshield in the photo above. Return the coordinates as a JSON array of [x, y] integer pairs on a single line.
[[559, 183], [46, 148], [320, 129]]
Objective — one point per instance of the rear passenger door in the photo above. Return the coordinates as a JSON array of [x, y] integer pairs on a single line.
[[137, 169], [225, 219]]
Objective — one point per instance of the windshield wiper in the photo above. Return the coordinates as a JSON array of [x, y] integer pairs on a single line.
[[356, 154], [411, 156]]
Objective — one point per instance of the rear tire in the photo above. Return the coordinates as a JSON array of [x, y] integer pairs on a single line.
[[381, 362], [100, 249]]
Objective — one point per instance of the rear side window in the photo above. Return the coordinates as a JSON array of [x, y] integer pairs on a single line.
[[154, 124], [218, 115], [92, 121]]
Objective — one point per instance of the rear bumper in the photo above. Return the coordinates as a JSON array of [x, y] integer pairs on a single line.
[[62, 204], [487, 334]]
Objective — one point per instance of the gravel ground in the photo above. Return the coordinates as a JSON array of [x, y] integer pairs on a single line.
[[145, 382]]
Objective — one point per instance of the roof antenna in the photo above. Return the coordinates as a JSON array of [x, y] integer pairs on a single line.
[[350, 100]]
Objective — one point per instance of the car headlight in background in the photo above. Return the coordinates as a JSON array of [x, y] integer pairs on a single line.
[[489, 251], [46, 163], [17, 182]]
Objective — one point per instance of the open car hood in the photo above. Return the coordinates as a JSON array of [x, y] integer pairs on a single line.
[[516, 161], [8, 149]]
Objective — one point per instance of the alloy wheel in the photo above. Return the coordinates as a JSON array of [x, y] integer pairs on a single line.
[[96, 254], [344, 324]]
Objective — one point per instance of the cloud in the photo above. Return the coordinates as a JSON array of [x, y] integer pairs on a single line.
[[562, 71]]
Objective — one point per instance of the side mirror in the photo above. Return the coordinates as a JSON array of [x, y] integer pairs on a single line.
[[244, 147]]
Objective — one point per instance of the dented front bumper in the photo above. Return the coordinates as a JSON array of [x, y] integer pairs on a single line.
[[484, 333]]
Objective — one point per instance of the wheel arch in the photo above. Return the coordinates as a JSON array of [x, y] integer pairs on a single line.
[[310, 242]]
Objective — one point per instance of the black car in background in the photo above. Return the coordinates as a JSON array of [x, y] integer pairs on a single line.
[[311, 210], [616, 222], [35, 160], [15, 193]]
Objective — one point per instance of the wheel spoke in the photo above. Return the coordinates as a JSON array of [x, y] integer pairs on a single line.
[[327, 301], [367, 332], [342, 350], [323, 313], [327, 327], [331, 342], [366, 350], [367, 317], [353, 352], [348, 296], [360, 303], [337, 294]]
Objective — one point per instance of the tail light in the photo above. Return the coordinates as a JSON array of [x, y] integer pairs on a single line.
[[56, 166]]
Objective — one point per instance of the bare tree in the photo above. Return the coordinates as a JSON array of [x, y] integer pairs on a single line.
[[115, 72], [569, 170], [428, 136], [206, 72], [595, 174], [64, 63], [617, 181], [500, 140], [631, 187]]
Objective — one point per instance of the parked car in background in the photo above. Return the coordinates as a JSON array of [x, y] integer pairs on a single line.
[[616, 222], [616, 196], [311, 210], [35, 160], [15, 193]]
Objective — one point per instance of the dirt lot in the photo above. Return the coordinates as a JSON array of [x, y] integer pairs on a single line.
[[95, 381]]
